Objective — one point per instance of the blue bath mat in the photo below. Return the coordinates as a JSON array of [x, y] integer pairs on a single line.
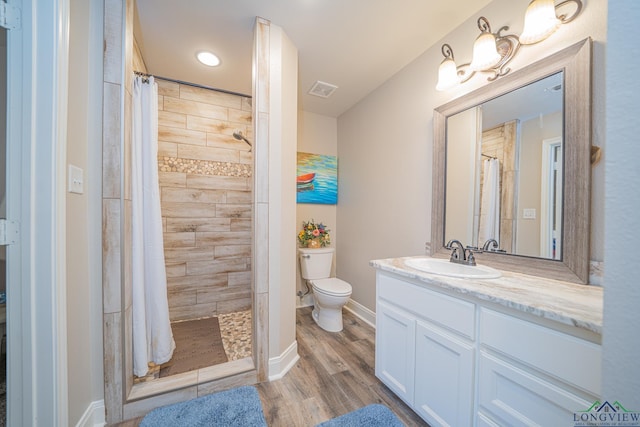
[[370, 416], [236, 407]]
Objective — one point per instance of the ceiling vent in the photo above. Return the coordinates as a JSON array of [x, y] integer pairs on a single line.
[[322, 89], [556, 88]]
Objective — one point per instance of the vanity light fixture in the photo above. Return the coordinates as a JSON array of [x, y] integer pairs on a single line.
[[485, 51], [493, 51], [208, 58]]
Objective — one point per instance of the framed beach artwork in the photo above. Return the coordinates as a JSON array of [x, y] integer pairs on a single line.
[[317, 179]]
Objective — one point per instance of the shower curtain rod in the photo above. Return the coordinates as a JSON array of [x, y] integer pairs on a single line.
[[147, 75]]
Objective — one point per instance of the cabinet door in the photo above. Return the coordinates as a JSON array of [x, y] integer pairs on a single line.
[[395, 350], [444, 377]]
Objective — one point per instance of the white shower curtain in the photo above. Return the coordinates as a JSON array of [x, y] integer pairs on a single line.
[[490, 202], [152, 336]]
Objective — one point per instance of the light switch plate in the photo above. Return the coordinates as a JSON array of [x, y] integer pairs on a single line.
[[529, 213], [76, 180]]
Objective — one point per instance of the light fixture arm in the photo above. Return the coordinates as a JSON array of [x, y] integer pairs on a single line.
[[483, 25], [508, 46], [564, 18], [447, 52]]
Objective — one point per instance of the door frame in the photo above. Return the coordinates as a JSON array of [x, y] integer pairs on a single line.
[[548, 209], [37, 75]]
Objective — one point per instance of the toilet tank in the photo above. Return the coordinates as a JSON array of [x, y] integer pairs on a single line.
[[315, 263]]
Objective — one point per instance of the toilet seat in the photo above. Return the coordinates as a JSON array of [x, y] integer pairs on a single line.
[[331, 286]]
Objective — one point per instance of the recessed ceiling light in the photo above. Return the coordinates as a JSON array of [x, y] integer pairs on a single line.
[[208, 58]]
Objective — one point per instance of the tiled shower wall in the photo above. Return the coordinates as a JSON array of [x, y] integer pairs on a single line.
[[206, 199]]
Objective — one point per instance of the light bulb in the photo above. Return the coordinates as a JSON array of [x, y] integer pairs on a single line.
[[540, 21], [485, 52], [447, 75]]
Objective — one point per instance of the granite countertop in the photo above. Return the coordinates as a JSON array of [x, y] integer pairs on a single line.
[[564, 302]]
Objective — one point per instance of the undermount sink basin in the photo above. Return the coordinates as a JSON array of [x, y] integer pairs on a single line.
[[444, 267]]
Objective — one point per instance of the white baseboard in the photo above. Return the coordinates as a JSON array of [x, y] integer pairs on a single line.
[[362, 312], [94, 416], [279, 366]]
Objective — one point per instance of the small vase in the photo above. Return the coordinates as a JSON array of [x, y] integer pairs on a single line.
[[313, 243]]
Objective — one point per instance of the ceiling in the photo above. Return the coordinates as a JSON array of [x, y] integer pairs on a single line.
[[542, 97], [355, 44]]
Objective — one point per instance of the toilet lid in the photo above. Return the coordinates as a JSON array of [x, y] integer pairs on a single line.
[[333, 286]]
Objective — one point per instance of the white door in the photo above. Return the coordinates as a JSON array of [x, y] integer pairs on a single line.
[[551, 199], [395, 350], [444, 377]]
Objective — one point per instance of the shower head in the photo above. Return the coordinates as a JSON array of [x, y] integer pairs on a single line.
[[240, 137]]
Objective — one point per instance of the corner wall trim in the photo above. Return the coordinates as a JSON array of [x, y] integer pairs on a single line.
[[279, 366], [362, 312], [94, 416]]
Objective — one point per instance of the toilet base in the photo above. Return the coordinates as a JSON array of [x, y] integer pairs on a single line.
[[329, 319]]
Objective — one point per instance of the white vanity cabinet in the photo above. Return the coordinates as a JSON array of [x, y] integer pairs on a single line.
[[425, 351], [464, 361]]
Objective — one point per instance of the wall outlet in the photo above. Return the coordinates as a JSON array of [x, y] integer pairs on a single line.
[[529, 213]]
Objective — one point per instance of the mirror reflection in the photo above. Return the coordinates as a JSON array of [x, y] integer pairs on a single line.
[[504, 172]]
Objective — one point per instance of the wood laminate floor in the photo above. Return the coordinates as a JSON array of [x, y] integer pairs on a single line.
[[335, 375]]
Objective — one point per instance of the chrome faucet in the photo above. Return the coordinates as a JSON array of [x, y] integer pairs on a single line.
[[491, 245], [460, 254]]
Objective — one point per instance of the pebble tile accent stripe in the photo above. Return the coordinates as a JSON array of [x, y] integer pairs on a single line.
[[204, 167]]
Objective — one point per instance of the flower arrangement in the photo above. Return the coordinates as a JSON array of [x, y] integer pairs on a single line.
[[313, 235]]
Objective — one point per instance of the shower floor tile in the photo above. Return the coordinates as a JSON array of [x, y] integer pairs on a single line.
[[235, 329]]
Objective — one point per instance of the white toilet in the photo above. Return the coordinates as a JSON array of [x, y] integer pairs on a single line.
[[329, 293]]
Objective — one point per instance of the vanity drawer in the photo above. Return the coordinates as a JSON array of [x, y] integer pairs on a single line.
[[441, 309], [511, 396], [572, 360]]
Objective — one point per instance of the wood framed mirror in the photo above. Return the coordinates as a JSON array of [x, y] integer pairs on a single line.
[[573, 66]]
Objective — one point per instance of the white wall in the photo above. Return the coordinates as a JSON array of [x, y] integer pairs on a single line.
[[317, 134], [283, 105], [461, 177], [530, 180], [78, 294], [84, 230], [385, 145], [621, 370]]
